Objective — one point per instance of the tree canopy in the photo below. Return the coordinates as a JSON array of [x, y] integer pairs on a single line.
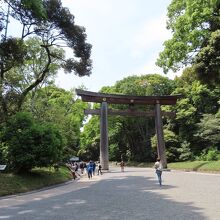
[[191, 23], [53, 27]]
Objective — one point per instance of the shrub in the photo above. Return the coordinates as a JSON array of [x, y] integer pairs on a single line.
[[210, 155], [31, 144], [213, 154]]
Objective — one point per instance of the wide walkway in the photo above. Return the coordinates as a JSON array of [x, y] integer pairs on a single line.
[[131, 195]]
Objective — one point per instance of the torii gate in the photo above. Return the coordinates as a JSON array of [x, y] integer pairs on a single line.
[[105, 98]]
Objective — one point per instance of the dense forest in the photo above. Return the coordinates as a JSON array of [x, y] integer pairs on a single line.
[[42, 124], [192, 134]]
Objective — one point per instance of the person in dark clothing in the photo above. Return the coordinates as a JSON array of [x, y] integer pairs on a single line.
[[99, 168], [81, 166], [94, 166]]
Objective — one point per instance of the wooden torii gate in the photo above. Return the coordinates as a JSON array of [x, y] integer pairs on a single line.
[[106, 99]]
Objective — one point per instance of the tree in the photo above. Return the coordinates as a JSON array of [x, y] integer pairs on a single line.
[[198, 99], [172, 145], [192, 22], [31, 144], [207, 61], [129, 137], [63, 110], [18, 79], [54, 27], [90, 140], [209, 131]]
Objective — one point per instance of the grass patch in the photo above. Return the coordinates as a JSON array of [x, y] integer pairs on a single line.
[[209, 166], [206, 166], [38, 178]]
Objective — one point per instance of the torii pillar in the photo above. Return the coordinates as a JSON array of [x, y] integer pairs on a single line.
[[105, 99], [160, 136], [104, 158]]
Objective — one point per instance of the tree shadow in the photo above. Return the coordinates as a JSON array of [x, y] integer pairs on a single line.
[[200, 165], [121, 197]]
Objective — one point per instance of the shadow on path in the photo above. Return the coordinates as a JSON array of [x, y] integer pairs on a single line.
[[118, 198]]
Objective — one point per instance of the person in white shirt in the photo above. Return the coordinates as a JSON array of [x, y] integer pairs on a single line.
[[158, 167]]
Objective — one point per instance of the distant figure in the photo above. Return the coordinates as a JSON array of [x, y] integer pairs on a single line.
[[122, 165], [94, 166], [158, 167], [81, 166], [72, 170], [76, 166], [89, 169], [99, 168]]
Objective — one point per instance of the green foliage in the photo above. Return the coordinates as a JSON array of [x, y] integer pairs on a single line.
[[28, 64], [213, 154], [185, 152], [60, 108], [151, 84], [207, 61], [172, 145], [36, 7], [198, 99], [38, 178], [12, 52], [210, 166], [90, 140], [31, 144], [209, 130], [129, 137], [22, 76], [114, 152], [191, 22], [3, 153], [210, 154]]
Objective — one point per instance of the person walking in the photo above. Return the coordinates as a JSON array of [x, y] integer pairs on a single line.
[[93, 168], [90, 169], [122, 165], [81, 166], [158, 167], [99, 168]]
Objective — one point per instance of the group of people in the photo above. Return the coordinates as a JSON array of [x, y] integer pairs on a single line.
[[91, 169]]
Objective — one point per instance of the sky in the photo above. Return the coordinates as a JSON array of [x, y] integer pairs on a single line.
[[126, 38]]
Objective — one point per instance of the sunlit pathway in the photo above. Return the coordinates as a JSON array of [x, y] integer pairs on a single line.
[[131, 195]]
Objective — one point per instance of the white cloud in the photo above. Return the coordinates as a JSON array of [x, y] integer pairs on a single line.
[[152, 34], [126, 36]]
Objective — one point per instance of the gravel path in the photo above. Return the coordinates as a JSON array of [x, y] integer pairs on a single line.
[[132, 195]]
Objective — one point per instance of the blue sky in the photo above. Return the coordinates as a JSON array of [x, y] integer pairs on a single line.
[[126, 35], [126, 38]]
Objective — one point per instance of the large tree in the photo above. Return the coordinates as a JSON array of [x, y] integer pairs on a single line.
[[62, 109], [54, 27], [192, 22], [207, 61]]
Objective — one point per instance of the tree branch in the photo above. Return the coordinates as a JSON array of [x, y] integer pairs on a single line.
[[38, 80]]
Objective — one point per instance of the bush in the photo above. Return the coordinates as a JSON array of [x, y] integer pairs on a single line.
[[185, 152], [31, 144], [210, 155], [213, 154]]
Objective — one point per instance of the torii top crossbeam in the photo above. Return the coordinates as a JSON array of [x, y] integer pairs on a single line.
[[88, 96]]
